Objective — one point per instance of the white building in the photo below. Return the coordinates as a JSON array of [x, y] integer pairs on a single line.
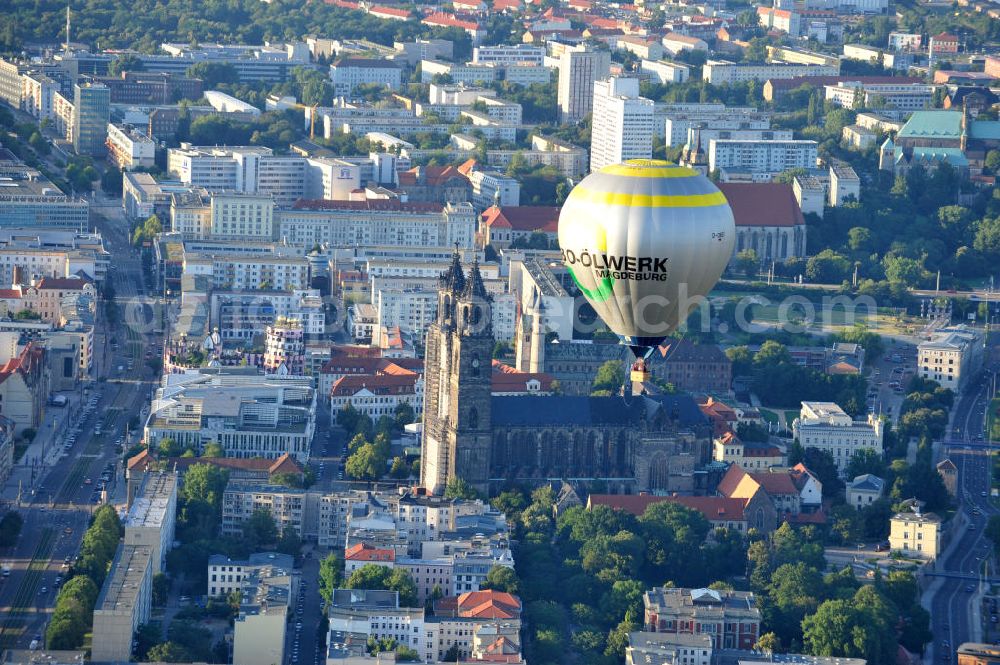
[[810, 193], [825, 426], [718, 72], [864, 490], [579, 67], [224, 103], [844, 184], [905, 41], [39, 95], [348, 73], [701, 137], [494, 188], [361, 321], [951, 357], [645, 648], [676, 42], [123, 604], [903, 97], [665, 72], [761, 157], [226, 575], [248, 414], [679, 119], [915, 534], [505, 54], [622, 123], [129, 148], [151, 516]]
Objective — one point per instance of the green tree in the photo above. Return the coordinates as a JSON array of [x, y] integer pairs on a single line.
[[372, 576], [866, 460], [213, 449], [459, 488], [329, 577], [610, 377], [10, 528], [168, 652], [147, 230], [993, 532], [161, 587], [501, 578], [260, 529], [168, 447], [746, 263], [366, 463]]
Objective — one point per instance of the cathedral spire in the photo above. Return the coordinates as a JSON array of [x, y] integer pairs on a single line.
[[475, 286], [454, 277]]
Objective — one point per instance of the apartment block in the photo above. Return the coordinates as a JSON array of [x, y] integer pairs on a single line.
[[718, 72], [761, 157], [679, 119], [91, 111], [259, 630], [286, 505], [664, 72], [349, 73], [123, 604], [951, 357], [579, 67], [887, 97], [504, 54], [129, 148], [622, 123], [226, 575], [152, 515]]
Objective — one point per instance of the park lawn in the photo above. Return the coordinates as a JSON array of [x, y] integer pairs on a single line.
[[790, 417], [769, 416]]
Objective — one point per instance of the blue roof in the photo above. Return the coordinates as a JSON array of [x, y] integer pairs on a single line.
[[985, 129], [933, 124]]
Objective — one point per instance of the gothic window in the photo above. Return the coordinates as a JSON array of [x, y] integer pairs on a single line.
[[473, 418], [475, 315]]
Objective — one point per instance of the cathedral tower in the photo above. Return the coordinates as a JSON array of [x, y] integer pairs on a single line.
[[457, 378]]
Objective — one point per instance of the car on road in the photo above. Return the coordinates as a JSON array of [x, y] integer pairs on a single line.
[[68, 530], [970, 588], [44, 590]]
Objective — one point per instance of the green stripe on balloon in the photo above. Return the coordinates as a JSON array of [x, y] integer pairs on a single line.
[[604, 289]]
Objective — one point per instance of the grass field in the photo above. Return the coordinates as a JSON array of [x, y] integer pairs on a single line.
[[769, 416], [790, 416]]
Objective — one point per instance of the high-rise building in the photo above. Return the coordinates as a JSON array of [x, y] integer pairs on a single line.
[[579, 67], [91, 111], [622, 126]]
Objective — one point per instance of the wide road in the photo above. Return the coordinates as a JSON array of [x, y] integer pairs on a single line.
[[56, 515], [952, 610]]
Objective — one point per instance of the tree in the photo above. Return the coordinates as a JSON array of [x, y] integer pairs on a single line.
[[167, 447], [828, 267], [10, 528], [168, 652], [290, 543], [501, 578], [610, 377], [404, 415], [405, 654], [161, 587], [746, 263], [993, 531], [769, 643], [147, 230], [329, 577], [459, 488], [213, 449], [260, 529], [366, 463], [866, 460], [372, 576]]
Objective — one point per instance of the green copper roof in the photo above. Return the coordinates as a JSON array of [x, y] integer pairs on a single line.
[[953, 156], [933, 124]]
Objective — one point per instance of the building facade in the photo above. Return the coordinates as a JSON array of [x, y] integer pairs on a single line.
[[622, 123]]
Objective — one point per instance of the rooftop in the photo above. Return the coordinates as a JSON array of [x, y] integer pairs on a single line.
[[763, 204], [932, 124], [155, 499], [121, 587]]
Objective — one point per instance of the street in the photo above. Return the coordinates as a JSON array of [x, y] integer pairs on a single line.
[[57, 510]]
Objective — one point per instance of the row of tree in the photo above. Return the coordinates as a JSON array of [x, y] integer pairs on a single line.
[[73, 613]]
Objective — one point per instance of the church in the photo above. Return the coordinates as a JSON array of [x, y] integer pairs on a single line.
[[657, 444]]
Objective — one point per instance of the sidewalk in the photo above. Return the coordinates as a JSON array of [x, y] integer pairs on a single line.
[[44, 451]]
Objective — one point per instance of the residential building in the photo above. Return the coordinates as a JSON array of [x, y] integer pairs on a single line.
[[491, 188], [348, 73], [675, 43], [284, 347], [738, 514], [129, 149], [377, 222], [730, 618], [11, 87], [24, 383], [729, 448], [942, 45], [39, 94], [361, 321], [797, 494], [248, 414], [151, 516], [679, 119], [641, 47], [777, 89], [378, 614], [501, 226], [760, 158], [505, 54], [123, 604], [951, 357], [905, 41], [864, 490], [845, 185], [783, 20], [899, 99], [6, 448], [287, 506], [225, 575], [645, 648], [825, 426], [915, 534], [91, 111], [266, 596], [971, 653], [377, 396], [579, 67], [622, 123], [718, 72], [470, 74]]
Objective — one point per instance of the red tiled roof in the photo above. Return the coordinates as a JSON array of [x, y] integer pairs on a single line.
[[730, 481], [284, 464], [818, 517], [366, 552], [762, 203], [506, 379], [10, 294], [140, 461], [389, 11], [449, 21], [775, 483], [523, 218], [378, 384], [716, 409], [945, 37], [714, 508], [761, 451], [61, 283], [393, 205], [504, 5], [487, 604]]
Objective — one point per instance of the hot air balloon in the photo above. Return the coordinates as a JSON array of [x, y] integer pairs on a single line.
[[643, 240]]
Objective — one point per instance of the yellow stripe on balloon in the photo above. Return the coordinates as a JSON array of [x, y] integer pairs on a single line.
[[649, 200], [653, 169]]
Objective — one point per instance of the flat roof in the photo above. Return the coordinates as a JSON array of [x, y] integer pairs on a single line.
[[121, 588]]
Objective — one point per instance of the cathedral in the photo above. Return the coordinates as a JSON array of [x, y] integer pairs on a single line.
[[658, 444]]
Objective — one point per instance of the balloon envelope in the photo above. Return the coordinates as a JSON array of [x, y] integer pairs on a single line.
[[643, 240]]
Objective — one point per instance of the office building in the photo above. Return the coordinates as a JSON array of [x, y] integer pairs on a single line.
[[664, 72], [284, 347], [29, 199], [91, 112], [505, 54], [123, 604], [679, 119], [622, 123], [248, 414], [825, 426], [894, 98], [579, 67], [951, 357], [730, 618], [271, 63], [151, 516], [129, 148], [349, 73]]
